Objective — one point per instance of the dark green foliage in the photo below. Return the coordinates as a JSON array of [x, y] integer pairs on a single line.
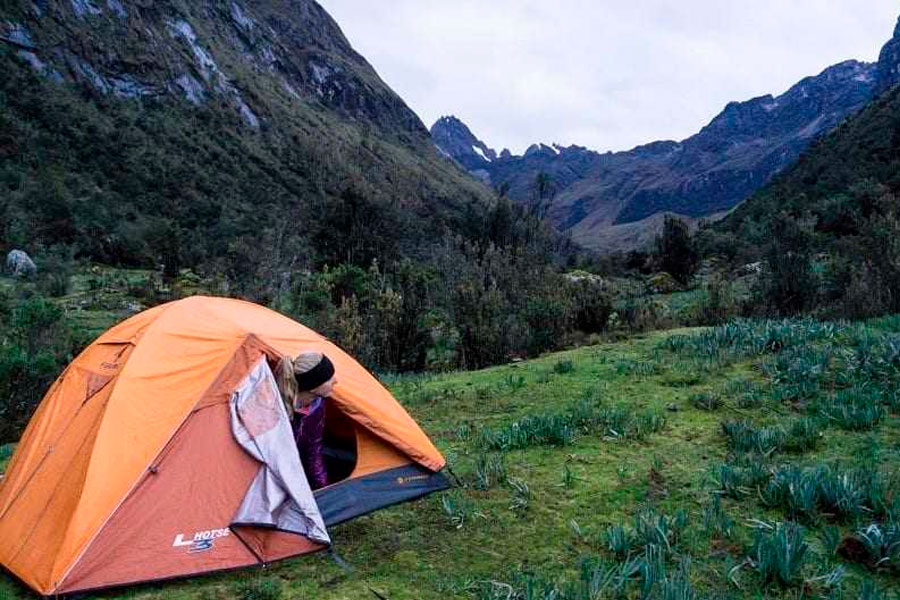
[[716, 521], [839, 199], [563, 366], [779, 554], [560, 429], [858, 408], [457, 508], [839, 494], [799, 435], [676, 251], [881, 544], [35, 344], [706, 401], [490, 471], [788, 285], [737, 482]]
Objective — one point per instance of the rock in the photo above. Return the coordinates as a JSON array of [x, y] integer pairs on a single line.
[[663, 283], [19, 264], [133, 307]]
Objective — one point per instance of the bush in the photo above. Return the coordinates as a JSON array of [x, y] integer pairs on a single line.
[[676, 252], [35, 345], [788, 284], [706, 401], [780, 554]]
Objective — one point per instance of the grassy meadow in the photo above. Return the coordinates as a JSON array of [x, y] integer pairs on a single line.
[[758, 459]]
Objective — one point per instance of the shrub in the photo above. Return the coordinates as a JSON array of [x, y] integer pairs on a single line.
[[715, 520], [676, 252], [620, 541], [563, 366], [858, 408], [738, 482], [706, 401], [780, 553], [881, 544], [35, 345], [457, 509], [521, 500], [489, 471]]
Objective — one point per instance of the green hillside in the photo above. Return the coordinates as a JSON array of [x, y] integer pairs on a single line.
[[666, 466], [829, 223]]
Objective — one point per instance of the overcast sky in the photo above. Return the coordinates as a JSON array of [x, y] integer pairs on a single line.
[[606, 74]]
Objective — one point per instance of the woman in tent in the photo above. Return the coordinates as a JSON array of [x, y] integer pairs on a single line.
[[305, 383]]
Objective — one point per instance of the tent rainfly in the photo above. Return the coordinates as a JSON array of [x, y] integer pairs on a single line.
[[164, 450]]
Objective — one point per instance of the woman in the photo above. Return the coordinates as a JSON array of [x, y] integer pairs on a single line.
[[305, 383]]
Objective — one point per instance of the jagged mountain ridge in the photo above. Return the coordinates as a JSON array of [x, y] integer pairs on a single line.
[[614, 201], [206, 50]]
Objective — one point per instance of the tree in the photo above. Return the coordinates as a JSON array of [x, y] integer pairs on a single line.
[[676, 252], [789, 284], [543, 189]]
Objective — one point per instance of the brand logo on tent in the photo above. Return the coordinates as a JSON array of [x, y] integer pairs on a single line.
[[410, 479], [201, 541]]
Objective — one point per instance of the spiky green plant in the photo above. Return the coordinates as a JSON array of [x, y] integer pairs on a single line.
[[882, 543], [706, 401], [521, 498], [636, 368], [780, 553], [652, 528], [620, 541], [796, 490], [457, 509], [841, 493], [563, 366], [870, 591], [490, 471], [859, 408], [802, 435], [514, 382], [568, 478], [716, 521], [737, 482]]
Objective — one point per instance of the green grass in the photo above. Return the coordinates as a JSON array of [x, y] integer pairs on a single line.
[[560, 499]]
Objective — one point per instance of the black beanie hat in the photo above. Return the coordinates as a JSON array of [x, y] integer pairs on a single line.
[[316, 376]]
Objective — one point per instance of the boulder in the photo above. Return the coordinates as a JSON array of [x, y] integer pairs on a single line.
[[19, 264], [663, 283]]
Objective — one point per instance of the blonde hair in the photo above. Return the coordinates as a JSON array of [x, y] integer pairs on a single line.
[[286, 375]]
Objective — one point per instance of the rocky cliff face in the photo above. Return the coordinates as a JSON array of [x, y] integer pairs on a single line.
[[247, 54], [453, 139], [614, 201], [196, 132]]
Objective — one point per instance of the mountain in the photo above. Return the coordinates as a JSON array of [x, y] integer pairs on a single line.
[[615, 201], [453, 139], [195, 133], [835, 190]]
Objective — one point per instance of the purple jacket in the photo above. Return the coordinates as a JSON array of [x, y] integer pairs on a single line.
[[309, 433]]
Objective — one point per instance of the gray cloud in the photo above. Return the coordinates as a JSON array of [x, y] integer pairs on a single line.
[[607, 74]]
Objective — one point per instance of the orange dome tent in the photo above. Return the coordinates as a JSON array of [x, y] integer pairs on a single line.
[[161, 452]]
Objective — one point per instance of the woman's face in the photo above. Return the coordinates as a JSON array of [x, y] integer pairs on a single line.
[[326, 388]]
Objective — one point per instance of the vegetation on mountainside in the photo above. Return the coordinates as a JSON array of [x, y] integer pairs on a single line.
[[396, 255], [783, 487], [827, 228]]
